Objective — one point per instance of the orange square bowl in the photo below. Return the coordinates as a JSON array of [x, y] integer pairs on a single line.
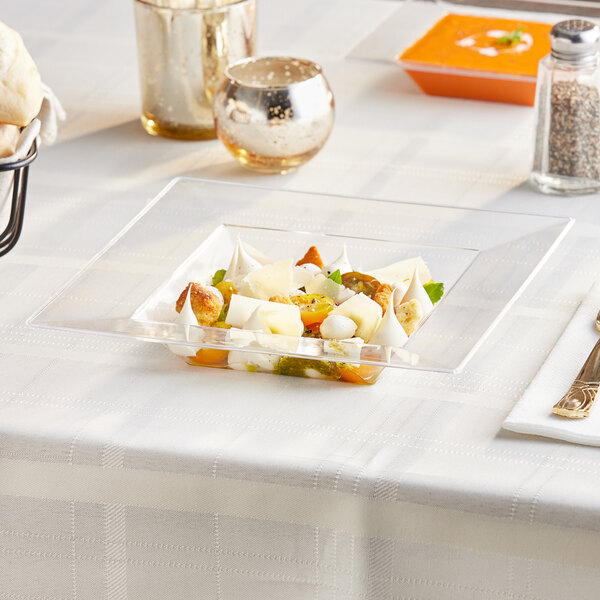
[[482, 58]]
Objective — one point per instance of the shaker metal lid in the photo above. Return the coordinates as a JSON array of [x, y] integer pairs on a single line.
[[575, 41]]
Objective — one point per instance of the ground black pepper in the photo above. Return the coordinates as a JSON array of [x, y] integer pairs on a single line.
[[574, 134]]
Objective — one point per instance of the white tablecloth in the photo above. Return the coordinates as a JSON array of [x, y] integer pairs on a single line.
[[127, 475]]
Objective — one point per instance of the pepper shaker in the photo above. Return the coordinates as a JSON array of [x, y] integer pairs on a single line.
[[567, 133]]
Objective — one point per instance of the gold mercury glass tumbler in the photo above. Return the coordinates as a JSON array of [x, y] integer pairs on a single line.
[[183, 49], [274, 113]]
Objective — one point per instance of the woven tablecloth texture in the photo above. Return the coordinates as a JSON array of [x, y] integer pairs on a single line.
[[126, 475]]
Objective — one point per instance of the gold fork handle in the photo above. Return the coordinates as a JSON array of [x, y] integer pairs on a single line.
[[578, 401]]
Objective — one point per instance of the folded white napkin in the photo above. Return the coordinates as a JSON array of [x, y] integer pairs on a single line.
[[533, 413], [26, 137], [44, 128], [50, 114]]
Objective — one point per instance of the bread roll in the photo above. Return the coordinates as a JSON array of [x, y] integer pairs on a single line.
[[20, 83], [9, 135]]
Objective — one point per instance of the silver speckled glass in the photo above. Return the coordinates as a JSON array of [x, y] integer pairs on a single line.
[[184, 47], [274, 113]]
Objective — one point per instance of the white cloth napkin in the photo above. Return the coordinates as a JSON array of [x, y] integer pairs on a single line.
[[533, 413], [50, 114], [45, 128]]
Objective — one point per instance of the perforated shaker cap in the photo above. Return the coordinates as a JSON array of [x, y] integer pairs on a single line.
[[575, 41]]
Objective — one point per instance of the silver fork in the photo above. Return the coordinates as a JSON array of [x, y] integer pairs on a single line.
[[578, 401]]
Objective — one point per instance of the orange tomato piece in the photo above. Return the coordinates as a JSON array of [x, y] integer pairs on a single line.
[[362, 374], [313, 307], [313, 330], [208, 356]]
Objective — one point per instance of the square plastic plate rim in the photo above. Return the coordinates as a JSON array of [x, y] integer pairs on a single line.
[[31, 321]]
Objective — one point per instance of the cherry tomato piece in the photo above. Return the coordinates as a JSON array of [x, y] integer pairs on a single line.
[[360, 283], [313, 307]]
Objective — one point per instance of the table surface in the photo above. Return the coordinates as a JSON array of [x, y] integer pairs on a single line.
[[126, 474]]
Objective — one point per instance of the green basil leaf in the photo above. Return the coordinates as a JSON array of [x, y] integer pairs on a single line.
[[223, 314], [435, 291], [512, 38], [218, 276], [336, 276]]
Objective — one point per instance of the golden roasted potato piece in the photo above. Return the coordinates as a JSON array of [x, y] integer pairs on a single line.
[[410, 315], [312, 256], [205, 304], [281, 299], [382, 295]]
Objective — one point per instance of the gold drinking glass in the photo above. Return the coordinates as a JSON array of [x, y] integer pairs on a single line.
[[183, 49], [274, 113]]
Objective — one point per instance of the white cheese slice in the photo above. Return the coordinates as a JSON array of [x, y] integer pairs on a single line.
[[256, 322], [300, 277], [365, 312], [402, 271], [276, 279], [283, 323], [279, 318], [323, 285]]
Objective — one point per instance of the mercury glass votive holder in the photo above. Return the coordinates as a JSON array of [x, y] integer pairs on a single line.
[[183, 49], [274, 113]]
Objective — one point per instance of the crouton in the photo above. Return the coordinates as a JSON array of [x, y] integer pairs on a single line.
[[382, 295], [205, 304], [312, 256], [410, 314]]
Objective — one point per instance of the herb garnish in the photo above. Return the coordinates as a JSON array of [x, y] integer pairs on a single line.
[[511, 39], [336, 276], [435, 291], [223, 314], [219, 276]]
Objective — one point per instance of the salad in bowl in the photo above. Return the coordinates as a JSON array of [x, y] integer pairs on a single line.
[[275, 312]]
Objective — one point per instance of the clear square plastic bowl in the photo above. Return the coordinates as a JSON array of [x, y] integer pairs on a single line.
[[189, 230]]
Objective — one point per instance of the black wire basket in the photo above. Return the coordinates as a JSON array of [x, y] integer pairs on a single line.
[[20, 168]]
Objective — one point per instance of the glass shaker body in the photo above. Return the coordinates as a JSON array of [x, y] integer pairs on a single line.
[[567, 130]]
